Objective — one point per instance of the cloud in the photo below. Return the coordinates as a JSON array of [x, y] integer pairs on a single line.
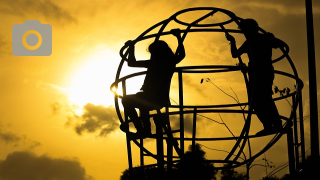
[[3, 46], [23, 141], [188, 122], [193, 83], [285, 7], [45, 8], [96, 119], [55, 108], [26, 165], [9, 137]]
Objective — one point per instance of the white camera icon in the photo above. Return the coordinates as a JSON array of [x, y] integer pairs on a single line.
[[31, 39]]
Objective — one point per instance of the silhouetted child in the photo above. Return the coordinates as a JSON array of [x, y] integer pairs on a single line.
[[156, 86], [261, 73]]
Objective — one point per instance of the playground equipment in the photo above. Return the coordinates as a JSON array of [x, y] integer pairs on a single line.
[[176, 139]]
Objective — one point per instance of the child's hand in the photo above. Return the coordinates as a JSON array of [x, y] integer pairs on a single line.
[[230, 38], [128, 43], [175, 32]]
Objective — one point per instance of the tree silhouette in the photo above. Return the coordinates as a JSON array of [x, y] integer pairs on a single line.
[[193, 167], [286, 177], [271, 178], [231, 174], [140, 173], [309, 170]]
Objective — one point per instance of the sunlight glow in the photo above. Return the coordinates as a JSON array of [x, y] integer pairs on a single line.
[[91, 81]]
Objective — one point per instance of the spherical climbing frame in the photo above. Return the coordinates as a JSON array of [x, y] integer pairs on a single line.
[[162, 120]]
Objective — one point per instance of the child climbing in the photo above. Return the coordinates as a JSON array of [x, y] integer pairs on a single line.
[[156, 86], [261, 73]]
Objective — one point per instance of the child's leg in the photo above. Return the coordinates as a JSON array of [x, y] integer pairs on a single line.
[[129, 108], [144, 114], [263, 104], [275, 117], [267, 112]]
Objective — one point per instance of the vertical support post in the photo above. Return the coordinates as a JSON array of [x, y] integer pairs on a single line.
[[169, 146], [194, 128], [182, 174], [127, 136], [160, 156], [314, 131], [302, 144], [181, 111], [141, 153], [141, 150], [290, 151], [296, 139]]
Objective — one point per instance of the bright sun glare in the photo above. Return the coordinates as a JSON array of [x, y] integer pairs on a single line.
[[91, 81]]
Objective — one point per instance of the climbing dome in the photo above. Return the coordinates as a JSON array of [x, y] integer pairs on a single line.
[[175, 138]]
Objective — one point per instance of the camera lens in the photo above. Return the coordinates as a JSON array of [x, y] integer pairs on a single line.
[[32, 39], [38, 42]]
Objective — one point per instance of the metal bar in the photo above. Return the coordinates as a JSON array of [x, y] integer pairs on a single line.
[[160, 158], [290, 151], [301, 123], [314, 131], [194, 128], [296, 139], [141, 150], [181, 112], [196, 21], [141, 153], [127, 137], [169, 146]]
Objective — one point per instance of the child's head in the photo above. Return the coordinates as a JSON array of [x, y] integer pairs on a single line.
[[249, 26], [160, 48]]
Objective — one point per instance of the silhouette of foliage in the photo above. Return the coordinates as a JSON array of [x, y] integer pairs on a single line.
[[141, 173], [194, 167], [271, 178], [283, 92], [231, 174], [310, 169], [286, 177]]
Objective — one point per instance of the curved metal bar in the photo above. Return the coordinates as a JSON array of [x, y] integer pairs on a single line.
[[244, 135], [191, 30]]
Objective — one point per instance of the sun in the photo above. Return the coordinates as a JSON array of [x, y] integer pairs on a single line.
[[90, 83]]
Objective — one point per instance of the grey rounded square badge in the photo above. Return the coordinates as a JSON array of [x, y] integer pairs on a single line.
[[31, 39]]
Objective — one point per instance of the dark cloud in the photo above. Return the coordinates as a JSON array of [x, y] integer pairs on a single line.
[[34, 144], [9, 137], [55, 108], [23, 141], [26, 165], [188, 122], [97, 119], [33, 8], [3, 46]]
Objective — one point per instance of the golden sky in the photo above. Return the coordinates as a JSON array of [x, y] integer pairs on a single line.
[[57, 112]]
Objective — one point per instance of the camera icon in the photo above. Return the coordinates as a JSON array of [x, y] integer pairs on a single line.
[[31, 39]]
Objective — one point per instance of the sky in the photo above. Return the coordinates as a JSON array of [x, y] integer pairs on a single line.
[[57, 115]]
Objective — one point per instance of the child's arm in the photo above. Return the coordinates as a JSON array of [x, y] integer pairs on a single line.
[[132, 62], [180, 52], [234, 51], [276, 43]]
